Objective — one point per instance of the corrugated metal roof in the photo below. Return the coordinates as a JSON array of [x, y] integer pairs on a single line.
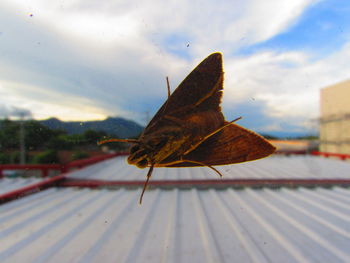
[[183, 225], [277, 166], [83, 225]]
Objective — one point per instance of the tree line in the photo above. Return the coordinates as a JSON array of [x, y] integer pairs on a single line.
[[42, 144]]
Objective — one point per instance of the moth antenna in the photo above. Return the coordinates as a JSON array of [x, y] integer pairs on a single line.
[[168, 86], [146, 183], [203, 164], [166, 103], [118, 140]]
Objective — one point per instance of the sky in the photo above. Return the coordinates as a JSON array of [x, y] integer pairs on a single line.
[[88, 59]]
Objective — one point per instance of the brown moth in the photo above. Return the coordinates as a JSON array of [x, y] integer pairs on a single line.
[[190, 130]]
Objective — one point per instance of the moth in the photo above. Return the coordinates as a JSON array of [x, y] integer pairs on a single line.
[[190, 129]]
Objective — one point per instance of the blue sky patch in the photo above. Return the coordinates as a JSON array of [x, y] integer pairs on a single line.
[[321, 30]]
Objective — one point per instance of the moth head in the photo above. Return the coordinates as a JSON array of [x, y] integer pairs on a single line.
[[138, 156], [142, 154]]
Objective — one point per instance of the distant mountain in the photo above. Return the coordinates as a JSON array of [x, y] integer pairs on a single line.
[[123, 128], [119, 127], [286, 134]]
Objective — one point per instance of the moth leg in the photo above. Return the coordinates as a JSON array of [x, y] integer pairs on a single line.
[[203, 164], [118, 140], [168, 86], [211, 134], [146, 183]]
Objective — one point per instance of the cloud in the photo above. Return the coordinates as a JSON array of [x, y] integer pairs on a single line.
[[89, 59], [261, 20], [52, 69], [254, 113], [224, 25], [289, 83]]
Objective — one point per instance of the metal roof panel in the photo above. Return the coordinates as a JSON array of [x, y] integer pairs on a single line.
[[278, 166], [248, 225]]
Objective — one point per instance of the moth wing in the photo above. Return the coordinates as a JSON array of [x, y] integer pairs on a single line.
[[234, 144], [200, 91]]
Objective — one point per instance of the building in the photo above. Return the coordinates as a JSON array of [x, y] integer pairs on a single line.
[[335, 118]]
